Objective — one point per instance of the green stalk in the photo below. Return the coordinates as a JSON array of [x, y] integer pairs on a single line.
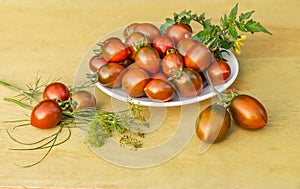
[[28, 107], [18, 90]]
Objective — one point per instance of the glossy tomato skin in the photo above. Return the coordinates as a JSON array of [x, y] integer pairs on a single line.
[[178, 32], [160, 75], [248, 112], [129, 29], [114, 50], [212, 124], [133, 39], [83, 99], [148, 29], [46, 114], [219, 72], [110, 74], [172, 62], [198, 57], [148, 59], [96, 62], [134, 81], [162, 44], [55, 91], [189, 84], [184, 45], [159, 90]]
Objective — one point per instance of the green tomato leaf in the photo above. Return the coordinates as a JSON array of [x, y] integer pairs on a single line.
[[253, 26], [241, 26], [245, 16], [226, 44], [233, 13], [232, 32]]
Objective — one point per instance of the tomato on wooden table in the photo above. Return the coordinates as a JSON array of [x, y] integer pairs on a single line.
[[248, 112], [213, 124], [46, 114], [55, 91], [83, 99]]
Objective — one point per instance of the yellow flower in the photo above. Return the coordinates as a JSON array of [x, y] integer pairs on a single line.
[[238, 44]]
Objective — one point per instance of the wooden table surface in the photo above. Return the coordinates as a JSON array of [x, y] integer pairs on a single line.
[[51, 37]]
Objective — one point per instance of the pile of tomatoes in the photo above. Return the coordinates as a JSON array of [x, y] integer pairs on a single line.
[[213, 123], [159, 66], [56, 99]]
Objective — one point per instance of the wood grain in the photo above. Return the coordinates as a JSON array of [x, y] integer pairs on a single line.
[[51, 37]]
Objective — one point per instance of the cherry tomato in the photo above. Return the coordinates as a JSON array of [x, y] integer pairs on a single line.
[[213, 124], [162, 44], [83, 99], [148, 29], [219, 72], [184, 45], [198, 57], [172, 62], [56, 91], [248, 112], [114, 50], [159, 90], [135, 39], [110, 74], [96, 62], [46, 114], [189, 84], [179, 31], [148, 59], [129, 29], [134, 81]]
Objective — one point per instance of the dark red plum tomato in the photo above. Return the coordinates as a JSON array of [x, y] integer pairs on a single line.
[[212, 124], [178, 32], [162, 44], [184, 45], [136, 39], [148, 59], [110, 74], [198, 57], [96, 62], [83, 99], [114, 50], [134, 81], [46, 114], [189, 84], [171, 63], [148, 29], [248, 112], [55, 91], [159, 90], [219, 72]]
